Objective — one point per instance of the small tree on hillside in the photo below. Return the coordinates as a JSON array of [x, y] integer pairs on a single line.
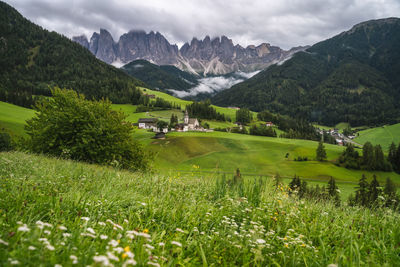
[[174, 120], [67, 125], [362, 197], [321, 152], [373, 190], [333, 191]]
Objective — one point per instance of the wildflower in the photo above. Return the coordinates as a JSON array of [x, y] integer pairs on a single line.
[[124, 256], [40, 224], [119, 250], [47, 232], [102, 223], [149, 246], [113, 243], [126, 249], [3, 242], [62, 243], [153, 263], [103, 237], [143, 204], [117, 226], [74, 259], [176, 243], [161, 244], [126, 221], [303, 245], [146, 230], [103, 260], [13, 262], [31, 248], [129, 262], [50, 247], [260, 241], [111, 256], [66, 234], [23, 228], [62, 228], [90, 230], [286, 245], [85, 218], [179, 230], [57, 265], [89, 235]]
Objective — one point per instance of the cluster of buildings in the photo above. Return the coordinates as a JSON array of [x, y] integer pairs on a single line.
[[188, 124]]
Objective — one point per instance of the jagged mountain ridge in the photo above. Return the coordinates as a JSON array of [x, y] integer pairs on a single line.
[[205, 57]]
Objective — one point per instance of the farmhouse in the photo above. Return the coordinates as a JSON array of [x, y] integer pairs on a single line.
[[269, 124], [148, 123]]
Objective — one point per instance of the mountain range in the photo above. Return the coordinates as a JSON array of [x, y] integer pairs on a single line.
[[215, 56], [352, 77]]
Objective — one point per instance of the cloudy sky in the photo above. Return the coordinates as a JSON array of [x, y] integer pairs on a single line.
[[285, 23]]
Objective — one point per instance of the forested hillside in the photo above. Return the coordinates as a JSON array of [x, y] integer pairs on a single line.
[[160, 77], [32, 59], [352, 77]]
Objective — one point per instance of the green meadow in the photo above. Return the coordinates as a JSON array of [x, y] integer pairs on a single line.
[[63, 213], [13, 117], [383, 135]]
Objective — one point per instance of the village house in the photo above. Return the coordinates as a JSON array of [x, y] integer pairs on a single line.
[[150, 96], [269, 124], [148, 123]]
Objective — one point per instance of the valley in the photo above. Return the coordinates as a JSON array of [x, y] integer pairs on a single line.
[[126, 149]]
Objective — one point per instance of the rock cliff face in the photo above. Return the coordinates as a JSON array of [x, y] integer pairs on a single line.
[[205, 57]]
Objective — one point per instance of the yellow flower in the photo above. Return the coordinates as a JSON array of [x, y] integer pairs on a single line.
[[146, 230], [119, 241], [126, 249], [285, 238], [286, 245], [124, 255], [303, 245]]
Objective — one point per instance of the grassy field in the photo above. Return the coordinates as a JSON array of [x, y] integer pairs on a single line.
[[224, 152], [383, 135], [13, 117], [57, 212]]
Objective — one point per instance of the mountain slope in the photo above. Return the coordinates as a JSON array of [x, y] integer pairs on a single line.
[[32, 59], [351, 77], [205, 57], [160, 77]]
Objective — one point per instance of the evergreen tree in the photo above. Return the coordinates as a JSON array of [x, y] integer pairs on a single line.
[[390, 193], [392, 154], [303, 189], [361, 197], [333, 191], [397, 160], [321, 152], [173, 120], [373, 191], [368, 156], [379, 158]]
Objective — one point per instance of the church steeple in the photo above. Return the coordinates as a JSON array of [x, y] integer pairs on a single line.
[[186, 118]]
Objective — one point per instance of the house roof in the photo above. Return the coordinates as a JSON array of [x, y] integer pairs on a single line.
[[192, 120], [147, 120]]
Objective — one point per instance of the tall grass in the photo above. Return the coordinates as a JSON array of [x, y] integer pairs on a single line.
[[61, 212]]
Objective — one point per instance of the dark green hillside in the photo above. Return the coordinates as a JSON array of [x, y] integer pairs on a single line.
[[160, 77], [352, 77], [32, 58]]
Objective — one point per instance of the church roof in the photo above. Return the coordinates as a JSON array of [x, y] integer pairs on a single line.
[[192, 120]]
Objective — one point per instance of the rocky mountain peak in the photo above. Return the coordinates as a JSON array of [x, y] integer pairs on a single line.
[[202, 56], [82, 40]]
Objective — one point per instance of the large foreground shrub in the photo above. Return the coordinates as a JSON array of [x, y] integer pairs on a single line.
[[70, 126]]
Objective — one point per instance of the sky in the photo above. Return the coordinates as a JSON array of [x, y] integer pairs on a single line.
[[284, 23]]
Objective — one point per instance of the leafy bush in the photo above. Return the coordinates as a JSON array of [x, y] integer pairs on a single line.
[[69, 126]]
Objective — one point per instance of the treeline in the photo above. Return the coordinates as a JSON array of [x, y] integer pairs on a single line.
[[369, 195], [204, 110], [262, 130], [372, 158], [294, 128], [145, 104], [33, 60]]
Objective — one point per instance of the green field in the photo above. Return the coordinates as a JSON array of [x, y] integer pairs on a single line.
[[58, 212], [383, 135], [224, 152], [13, 117]]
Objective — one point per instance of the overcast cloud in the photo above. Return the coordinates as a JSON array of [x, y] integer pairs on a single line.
[[285, 23]]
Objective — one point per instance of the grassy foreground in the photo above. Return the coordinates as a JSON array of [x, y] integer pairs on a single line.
[[61, 212]]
